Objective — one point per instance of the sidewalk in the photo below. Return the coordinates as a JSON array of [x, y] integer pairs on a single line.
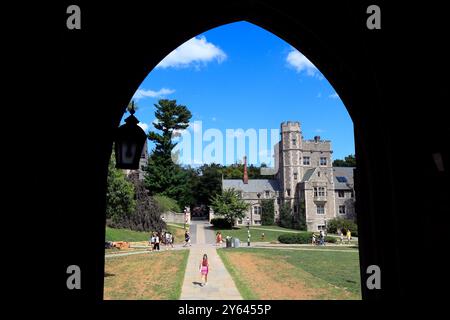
[[220, 284]]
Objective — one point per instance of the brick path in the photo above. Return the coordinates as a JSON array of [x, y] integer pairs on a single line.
[[220, 284]]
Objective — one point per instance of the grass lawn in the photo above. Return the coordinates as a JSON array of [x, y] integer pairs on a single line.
[[136, 236], [294, 274], [151, 276], [255, 233]]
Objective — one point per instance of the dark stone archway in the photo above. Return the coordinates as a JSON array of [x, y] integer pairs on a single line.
[[119, 44]]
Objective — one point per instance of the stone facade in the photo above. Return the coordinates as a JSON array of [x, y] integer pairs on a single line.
[[305, 178]]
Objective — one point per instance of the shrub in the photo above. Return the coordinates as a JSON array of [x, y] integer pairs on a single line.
[[221, 223], [331, 239], [166, 203], [297, 238], [343, 224]]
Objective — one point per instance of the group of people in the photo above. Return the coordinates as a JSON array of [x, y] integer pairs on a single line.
[[348, 235], [164, 237], [320, 239]]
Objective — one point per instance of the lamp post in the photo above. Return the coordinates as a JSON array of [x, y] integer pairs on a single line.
[[248, 231], [129, 141]]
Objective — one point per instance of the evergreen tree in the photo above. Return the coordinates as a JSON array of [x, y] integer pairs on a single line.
[[268, 212], [285, 215], [163, 175]]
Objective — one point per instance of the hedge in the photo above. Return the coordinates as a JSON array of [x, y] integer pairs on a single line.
[[221, 223], [297, 238]]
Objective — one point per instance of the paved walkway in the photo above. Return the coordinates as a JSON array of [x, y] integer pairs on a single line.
[[220, 284]]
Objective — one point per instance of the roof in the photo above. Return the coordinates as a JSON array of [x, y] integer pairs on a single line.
[[308, 174], [346, 172], [253, 185]]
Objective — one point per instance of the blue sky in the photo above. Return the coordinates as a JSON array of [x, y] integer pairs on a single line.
[[241, 76]]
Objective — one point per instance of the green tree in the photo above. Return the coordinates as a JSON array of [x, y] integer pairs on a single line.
[[229, 205], [170, 117], [349, 161], [285, 215], [299, 218], [120, 193], [268, 212], [208, 183], [163, 176]]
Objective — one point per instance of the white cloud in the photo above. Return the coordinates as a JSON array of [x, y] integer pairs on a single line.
[[144, 126], [195, 51], [142, 93], [300, 63], [319, 130], [333, 96], [213, 118]]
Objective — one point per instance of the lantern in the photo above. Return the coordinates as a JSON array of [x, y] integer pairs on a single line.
[[129, 141]]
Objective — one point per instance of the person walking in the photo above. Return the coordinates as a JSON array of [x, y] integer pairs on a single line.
[[167, 236], [321, 238], [156, 247], [341, 236], [204, 269], [187, 239], [152, 241], [349, 236]]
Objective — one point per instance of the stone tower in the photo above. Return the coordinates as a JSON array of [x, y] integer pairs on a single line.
[[290, 170]]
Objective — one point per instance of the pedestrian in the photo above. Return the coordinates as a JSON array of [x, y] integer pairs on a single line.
[[220, 239], [167, 240], [204, 269], [157, 239], [172, 239], [341, 236], [321, 237], [186, 239], [349, 236], [313, 241], [152, 241]]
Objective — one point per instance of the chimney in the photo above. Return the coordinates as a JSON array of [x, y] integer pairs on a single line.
[[317, 138], [245, 179]]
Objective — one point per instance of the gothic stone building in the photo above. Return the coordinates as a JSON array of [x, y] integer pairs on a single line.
[[305, 178]]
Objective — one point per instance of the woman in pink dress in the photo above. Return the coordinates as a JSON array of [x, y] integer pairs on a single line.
[[204, 268]]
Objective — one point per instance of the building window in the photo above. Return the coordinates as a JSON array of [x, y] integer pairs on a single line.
[[341, 209], [278, 201], [321, 227], [319, 192], [320, 209], [352, 195], [240, 221], [295, 175], [267, 193], [288, 191], [257, 210], [306, 161], [294, 142], [295, 208], [257, 221], [323, 161], [341, 194]]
